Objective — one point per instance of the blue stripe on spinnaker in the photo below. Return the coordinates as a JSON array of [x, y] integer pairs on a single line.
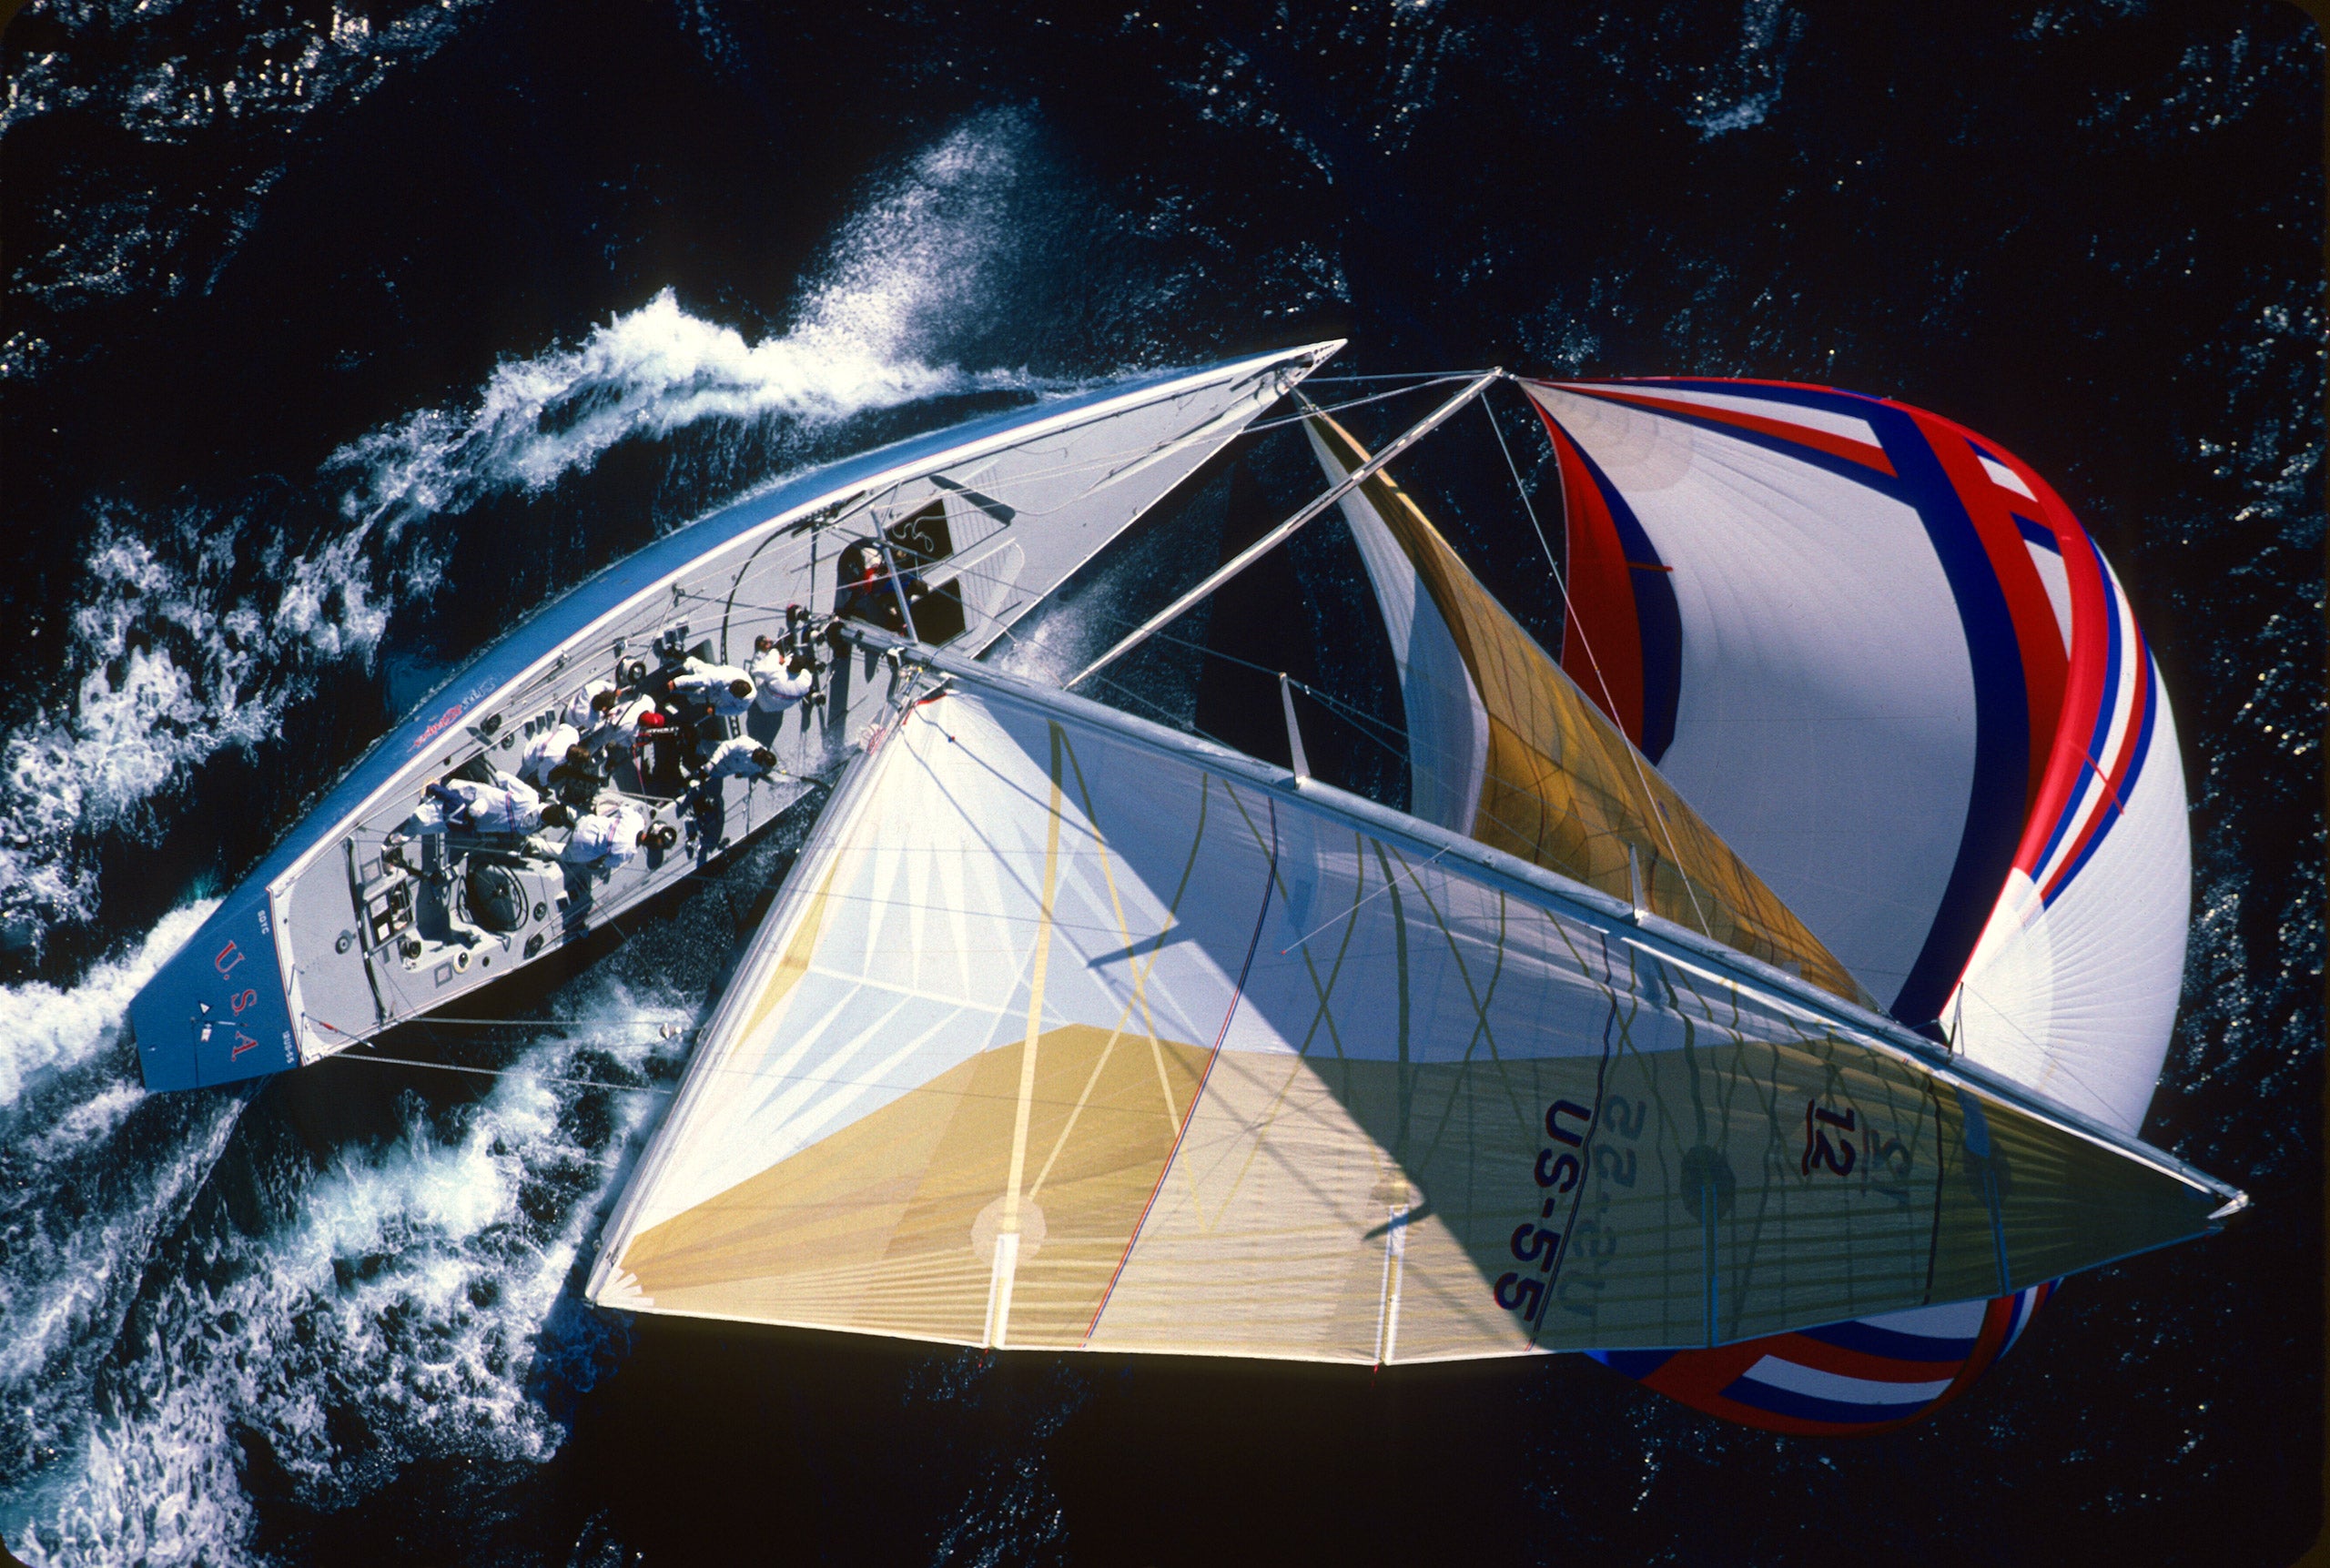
[[2114, 804], [1810, 456], [1998, 796], [1636, 1365], [1892, 1344], [2038, 534]]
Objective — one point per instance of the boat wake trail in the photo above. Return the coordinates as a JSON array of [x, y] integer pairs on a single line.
[[200, 629], [204, 1304], [93, 1172], [311, 1332], [871, 333]]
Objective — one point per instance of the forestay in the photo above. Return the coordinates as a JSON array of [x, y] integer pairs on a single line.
[[1881, 655], [1072, 1032]]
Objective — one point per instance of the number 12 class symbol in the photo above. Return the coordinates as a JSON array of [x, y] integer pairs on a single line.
[[1818, 1150]]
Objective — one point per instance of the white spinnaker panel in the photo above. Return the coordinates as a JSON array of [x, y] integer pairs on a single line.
[[1065, 1038], [1448, 729], [2077, 997], [1825, 717]]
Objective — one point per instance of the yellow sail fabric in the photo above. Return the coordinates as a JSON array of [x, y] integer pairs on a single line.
[[1546, 776], [1073, 1034]]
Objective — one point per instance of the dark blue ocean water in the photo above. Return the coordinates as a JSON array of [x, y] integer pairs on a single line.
[[337, 336]]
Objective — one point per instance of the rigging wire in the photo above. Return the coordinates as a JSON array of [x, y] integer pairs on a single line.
[[1372, 726], [351, 1056], [1359, 403]]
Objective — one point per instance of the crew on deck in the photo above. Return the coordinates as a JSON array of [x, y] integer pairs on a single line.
[[780, 680], [611, 838], [545, 752], [577, 779], [587, 709], [508, 804], [743, 757], [656, 745], [869, 590], [618, 723]]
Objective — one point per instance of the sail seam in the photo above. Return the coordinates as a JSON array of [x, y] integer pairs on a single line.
[[1006, 1241], [1236, 995]]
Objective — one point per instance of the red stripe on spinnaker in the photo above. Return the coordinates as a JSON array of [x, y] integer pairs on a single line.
[[1867, 1365], [1602, 633], [2115, 786], [2084, 692], [2038, 634]]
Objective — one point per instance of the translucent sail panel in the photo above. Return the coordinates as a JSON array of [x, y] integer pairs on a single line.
[[1074, 1034], [1505, 747], [2073, 986], [1881, 656]]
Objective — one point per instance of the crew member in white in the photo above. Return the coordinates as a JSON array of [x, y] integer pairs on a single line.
[[779, 682], [618, 725], [742, 757], [584, 708], [724, 688], [609, 839], [545, 752], [508, 804]]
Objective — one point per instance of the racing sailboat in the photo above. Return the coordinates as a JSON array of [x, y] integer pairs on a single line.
[[378, 909], [1073, 1031]]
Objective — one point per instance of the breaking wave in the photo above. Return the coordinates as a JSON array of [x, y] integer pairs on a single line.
[[1738, 91], [871, 335]]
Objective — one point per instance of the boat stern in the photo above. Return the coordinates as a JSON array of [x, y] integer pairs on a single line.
[[217, 1011]]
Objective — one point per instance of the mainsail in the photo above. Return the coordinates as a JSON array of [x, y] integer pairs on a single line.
[[1881, 655], [1072, 1032]]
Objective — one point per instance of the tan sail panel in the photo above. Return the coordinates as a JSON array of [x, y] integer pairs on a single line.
[[1559, 784]]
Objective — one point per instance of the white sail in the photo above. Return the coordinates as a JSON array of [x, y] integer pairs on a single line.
[[1071, 1032]]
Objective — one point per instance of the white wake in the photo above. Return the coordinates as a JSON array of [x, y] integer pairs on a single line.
[[198, 630]]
